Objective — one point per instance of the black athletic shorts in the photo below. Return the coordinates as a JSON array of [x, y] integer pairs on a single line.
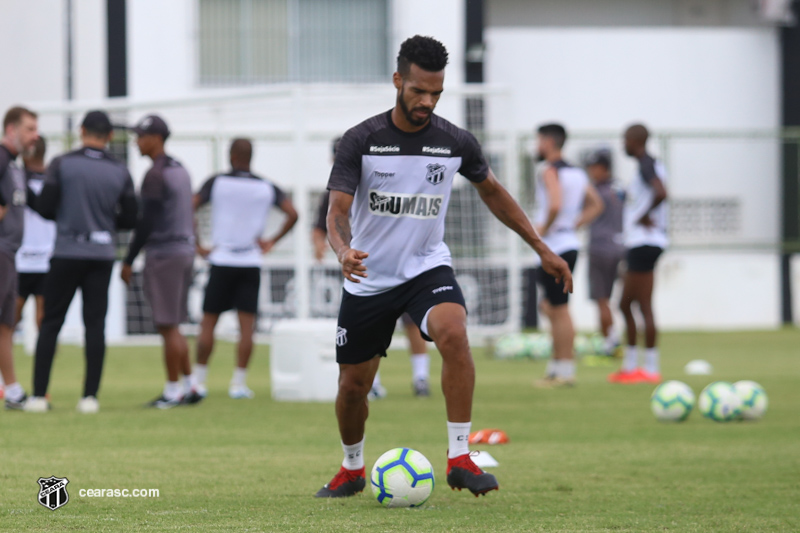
[[30, 284], [232, 288], [554, 292], [366, 323], [643, 258]]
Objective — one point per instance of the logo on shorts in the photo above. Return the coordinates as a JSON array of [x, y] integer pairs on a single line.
[[341, 336], [442, 289], [53, 492], [435, 173]]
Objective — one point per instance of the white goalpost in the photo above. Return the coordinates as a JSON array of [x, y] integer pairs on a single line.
[[292, 127]]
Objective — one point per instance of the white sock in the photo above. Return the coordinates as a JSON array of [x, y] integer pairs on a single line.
[[172, 390], [376, 382], [552, 368], [420, 366], [565, 368], [631, 359], [188, 383], [651, 360], [239, 376], [200, 372], [14, 392], [612, 340], [353, 455], [458, 438]]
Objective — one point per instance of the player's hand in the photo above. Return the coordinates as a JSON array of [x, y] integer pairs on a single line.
[[3, 211], [646, 221], [353, 264], [126, 274], [266, 245], [541, 230], [559, 269], [203, 252]]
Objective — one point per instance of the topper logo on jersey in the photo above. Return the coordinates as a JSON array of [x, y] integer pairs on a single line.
[[395, 204], [435, 173]]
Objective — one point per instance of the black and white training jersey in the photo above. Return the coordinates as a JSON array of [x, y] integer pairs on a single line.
[[401, 185], [640, 199], [240, 204], [39, 237], [13, 198], [562, 235], [90, 195]]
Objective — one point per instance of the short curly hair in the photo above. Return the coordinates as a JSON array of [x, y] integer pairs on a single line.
[[425, 52]]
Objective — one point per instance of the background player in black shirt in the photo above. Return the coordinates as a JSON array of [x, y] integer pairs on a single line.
[[90, 195], [20, 131]]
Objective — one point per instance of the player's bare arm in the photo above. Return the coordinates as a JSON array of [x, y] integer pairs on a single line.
[[339, 235], [553, 187], [291, 219], [659, 195], [508, 211], [593, 207], [197, 201]]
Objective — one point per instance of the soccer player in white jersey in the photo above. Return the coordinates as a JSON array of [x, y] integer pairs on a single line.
[[418, 348], [240, 204], [645, 222], [566, 201], [390, 186], [38, 239]]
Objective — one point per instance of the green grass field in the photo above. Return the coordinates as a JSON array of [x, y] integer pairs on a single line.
[[588, 459]]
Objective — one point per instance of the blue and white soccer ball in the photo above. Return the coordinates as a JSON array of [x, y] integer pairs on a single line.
[[672, 401], [720, 402], [754, 399], [402, 477]]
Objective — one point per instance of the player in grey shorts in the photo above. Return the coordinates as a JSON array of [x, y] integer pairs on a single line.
[[166, 232], [606, 248], [19, 136]]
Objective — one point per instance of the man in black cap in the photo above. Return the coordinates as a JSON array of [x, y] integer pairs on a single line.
[[90, 195], [165, 231]]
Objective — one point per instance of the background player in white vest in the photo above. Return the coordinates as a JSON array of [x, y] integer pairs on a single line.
[[646, 218], [418, 348], [565, 202], [20, 132], [240, 204], [90, 195], [390, 186], [606, 247], [38, 239], [165, 231]]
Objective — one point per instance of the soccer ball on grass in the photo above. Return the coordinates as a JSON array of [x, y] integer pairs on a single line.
[[402, 478]]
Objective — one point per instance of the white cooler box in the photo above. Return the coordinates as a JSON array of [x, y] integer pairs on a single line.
[[303, 361]]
